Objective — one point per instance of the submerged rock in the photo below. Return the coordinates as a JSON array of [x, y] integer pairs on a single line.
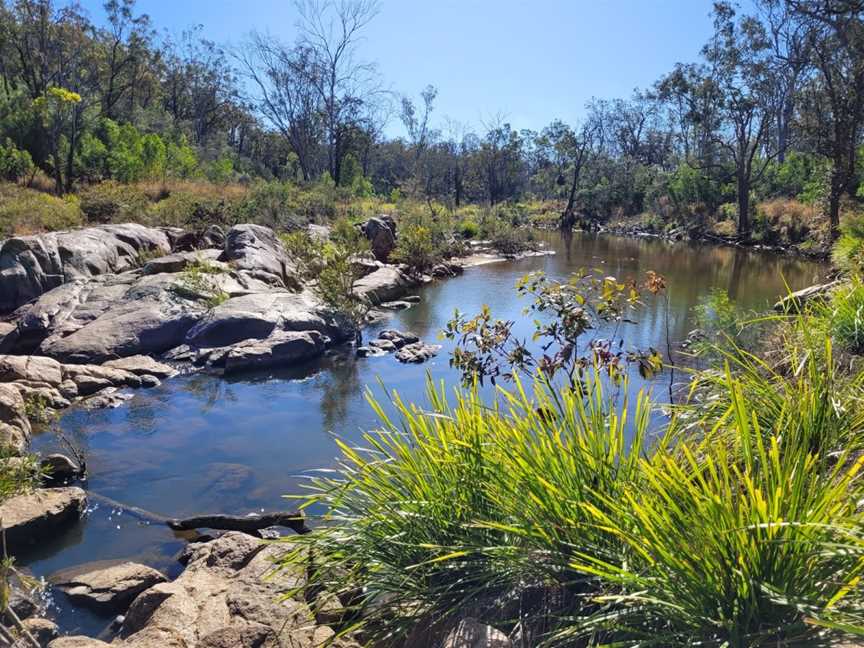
[[106, 587], [29, 518]]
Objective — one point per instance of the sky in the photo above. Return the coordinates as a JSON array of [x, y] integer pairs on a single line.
[[530, 62]]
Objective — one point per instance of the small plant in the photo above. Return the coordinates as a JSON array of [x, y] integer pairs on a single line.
[[843, 316], [198, 281], [487, 348]]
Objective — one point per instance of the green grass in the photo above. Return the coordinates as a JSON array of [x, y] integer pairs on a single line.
[[843, 316], [563, 515]]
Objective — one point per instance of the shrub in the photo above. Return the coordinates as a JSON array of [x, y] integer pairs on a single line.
[[842, 315], [188, 209], [274, 204], [468, 229], [111, 202], [25, 211], [15, 164], [198, 281], [848, 252], [787, 220]]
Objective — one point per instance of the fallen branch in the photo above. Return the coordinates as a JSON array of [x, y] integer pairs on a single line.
[[244, 523]]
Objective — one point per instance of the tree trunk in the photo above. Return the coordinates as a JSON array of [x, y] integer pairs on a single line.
[[743, 207], [568, 218], [835, 193]]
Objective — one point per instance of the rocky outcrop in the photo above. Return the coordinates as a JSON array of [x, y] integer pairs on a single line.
[[223, 599], [29, 517], [179, 261], [408, 347], [32, 265], [381, 233], [42, 630], [142, 365], [106, 587]]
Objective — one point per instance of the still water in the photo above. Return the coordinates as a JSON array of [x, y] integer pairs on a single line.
[[202, 444]]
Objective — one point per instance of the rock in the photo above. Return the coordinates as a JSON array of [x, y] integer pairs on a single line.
[[150, 381], [33, 265], [385, 284], [43, 630], [78, 641], [412, 299], [89, 385], [281, 348], [793, 301], [370, 352], [105, 586], [417, 352], [470, 633], [319, 232], [179, 261], [382, 237], [257, 251], [258, 315], [68, 389], [130, 317], [444, 270], [35, 368], [222, 599], [213, 237], [395, 305], [398, 338], [8, 336], [142, 365], [41, 396], [364, 265], [14, 423], [384, 345], [107, 399], [28, 518], [60, 468]]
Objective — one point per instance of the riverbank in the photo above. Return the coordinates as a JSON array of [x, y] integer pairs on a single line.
[[90, 309]]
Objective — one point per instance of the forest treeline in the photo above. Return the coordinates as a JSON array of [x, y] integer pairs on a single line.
[[765, 125]]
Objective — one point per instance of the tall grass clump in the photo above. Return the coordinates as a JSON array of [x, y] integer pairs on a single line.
[[464, 508], [842, 314], [746, 544]]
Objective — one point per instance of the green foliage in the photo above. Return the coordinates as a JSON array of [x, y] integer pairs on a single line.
[[842, 315], [332, 264], [564, 312], [468, 229], [848, 252], [15, 164], [274, 204], [25, 211]]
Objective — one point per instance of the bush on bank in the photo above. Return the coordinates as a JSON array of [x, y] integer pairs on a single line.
[[560, 516]]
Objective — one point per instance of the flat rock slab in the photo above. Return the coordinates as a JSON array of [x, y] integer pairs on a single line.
[[142, 365], [29, 518], [106, 586], [385, 284]]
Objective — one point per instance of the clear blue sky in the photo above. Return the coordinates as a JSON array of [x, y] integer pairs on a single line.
[[530, 61]]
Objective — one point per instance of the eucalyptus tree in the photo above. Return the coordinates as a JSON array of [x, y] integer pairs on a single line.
[[347, 87], [737, 57], [836, 32]]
